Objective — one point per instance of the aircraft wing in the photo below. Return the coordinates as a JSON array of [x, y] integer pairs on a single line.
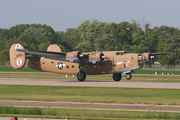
[[151, 54], [69, 56], [46, 54]]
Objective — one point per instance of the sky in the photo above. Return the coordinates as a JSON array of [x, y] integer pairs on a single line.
[[64, 14]]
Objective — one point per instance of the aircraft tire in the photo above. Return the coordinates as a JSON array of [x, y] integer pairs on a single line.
[[117, 76], [128, 76], [82, 76]]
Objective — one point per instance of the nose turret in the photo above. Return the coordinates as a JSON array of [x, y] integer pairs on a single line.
[[141, 60]]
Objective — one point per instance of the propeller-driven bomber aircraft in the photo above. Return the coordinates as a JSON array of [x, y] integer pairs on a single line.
[[80, 64]]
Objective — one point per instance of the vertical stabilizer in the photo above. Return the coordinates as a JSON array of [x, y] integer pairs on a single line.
[[17, 59], [54, 48]]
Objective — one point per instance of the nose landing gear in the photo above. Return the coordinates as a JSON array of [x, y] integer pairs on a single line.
[[128, 76]]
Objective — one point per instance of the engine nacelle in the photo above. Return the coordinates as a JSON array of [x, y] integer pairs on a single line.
[[72, 56], [147, 56], [96, 57]]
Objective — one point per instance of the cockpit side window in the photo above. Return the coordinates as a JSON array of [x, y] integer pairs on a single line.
[[119, 53], [125, 52]]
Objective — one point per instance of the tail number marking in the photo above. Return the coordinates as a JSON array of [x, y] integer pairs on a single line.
[[19, 62]]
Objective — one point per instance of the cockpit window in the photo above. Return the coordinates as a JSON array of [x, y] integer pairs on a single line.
[[119, 53], [125, 52]]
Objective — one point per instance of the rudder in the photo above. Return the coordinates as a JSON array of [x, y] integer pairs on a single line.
[[17, 59], [54, 48]]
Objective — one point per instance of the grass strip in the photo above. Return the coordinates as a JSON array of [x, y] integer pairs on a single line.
[[84, 113], [159, 72], [91, 94]]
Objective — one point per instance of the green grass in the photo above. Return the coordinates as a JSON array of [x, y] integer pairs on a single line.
[[159, 72], [63, 113], [91, 94]]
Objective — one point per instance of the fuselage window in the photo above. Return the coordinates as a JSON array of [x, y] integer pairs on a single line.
[[67, 67], [132, 58], [72, 66]]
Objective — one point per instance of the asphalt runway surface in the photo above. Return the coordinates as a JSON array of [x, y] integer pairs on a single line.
[[91, 83]]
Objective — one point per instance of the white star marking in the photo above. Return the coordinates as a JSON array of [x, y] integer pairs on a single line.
[[60, 65]]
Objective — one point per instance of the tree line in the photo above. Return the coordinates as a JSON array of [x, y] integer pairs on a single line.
[[96, 36]]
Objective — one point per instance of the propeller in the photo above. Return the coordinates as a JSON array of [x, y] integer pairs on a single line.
[[150, 56]]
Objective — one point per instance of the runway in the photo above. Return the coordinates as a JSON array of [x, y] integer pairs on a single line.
[[99, 106], [90, 83]]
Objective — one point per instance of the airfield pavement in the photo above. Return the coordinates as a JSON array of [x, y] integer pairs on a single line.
[[92, 83]]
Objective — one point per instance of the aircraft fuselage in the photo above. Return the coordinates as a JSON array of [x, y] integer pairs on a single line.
[[115, 62]]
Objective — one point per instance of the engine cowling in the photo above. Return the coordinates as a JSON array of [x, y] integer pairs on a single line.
[[96, 57], [147, 56], [72, 56]]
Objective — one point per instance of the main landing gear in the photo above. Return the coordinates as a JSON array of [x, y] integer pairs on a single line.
[[81, 76], [118, 76]]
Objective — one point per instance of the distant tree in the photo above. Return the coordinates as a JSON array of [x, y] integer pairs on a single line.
[[173, 45], [138, 37], [96, 36], [4, 55], [121, 36], [164, 33]]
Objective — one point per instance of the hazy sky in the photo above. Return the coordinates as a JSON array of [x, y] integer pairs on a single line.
[[63, 14]]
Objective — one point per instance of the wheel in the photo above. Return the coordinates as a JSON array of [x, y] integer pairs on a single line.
[[117, 76], [128, 76], [81, 76]]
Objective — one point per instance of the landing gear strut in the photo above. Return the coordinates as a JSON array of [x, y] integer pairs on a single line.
[[117, 76], [81, 76], [128, 76]]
